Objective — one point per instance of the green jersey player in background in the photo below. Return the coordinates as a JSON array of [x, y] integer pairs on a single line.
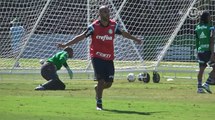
[[51, 66], [205, 48]]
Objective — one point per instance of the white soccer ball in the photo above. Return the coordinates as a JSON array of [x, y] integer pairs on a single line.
[[140, 77], [42, 61], [131, 77]]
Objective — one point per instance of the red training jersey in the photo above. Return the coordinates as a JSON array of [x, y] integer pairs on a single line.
[[102, 44]]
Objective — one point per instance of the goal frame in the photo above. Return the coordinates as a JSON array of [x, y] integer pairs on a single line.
[[117, 10]]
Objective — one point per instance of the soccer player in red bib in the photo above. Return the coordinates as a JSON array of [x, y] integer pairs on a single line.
[[102, 32]]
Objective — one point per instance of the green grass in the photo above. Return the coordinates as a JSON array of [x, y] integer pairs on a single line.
[[173, 100]]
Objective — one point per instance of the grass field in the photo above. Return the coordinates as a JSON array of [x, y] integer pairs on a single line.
[[167, 100]]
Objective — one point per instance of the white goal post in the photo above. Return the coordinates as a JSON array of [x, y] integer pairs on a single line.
[[30, 30]]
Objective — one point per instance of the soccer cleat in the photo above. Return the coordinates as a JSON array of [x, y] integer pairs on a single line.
[[99, 105], [40, 87], [207, 88], [200, 90]]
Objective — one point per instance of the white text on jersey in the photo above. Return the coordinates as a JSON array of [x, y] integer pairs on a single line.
[[103, 38], [103, 55]]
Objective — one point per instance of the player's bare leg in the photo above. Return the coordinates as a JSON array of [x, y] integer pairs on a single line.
[[107, 85], [199, 77], [99, 91]]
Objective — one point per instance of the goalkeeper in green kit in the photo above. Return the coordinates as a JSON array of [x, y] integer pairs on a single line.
[[50, 67], [205, 47]]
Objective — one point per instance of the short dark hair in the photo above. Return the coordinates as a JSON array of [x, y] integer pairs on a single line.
[[204, 17], [69, 50]]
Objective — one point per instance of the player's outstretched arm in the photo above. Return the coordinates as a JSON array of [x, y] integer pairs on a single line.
[[73, 41], [129, 36]]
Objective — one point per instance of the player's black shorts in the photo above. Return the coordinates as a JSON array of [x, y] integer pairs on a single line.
[[103, 69], [203, 58], [49, 71]]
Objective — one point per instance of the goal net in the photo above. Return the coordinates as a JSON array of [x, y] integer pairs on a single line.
[[181, 54], [30, 30]]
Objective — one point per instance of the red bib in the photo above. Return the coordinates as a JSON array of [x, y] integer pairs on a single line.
[[102, 44]]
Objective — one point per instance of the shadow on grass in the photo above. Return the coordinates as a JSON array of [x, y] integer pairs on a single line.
[[131, 112]]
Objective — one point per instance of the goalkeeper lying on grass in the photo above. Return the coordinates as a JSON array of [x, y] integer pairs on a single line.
[[50, 67]]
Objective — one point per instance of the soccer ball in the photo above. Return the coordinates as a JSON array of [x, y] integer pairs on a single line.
[[42, 61], [131, 77], [140, 77]]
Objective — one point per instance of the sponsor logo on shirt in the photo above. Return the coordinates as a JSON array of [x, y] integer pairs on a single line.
[[202, 27], [202, 35], [103, 38], [204, 46], [103, 55], [110, 31]]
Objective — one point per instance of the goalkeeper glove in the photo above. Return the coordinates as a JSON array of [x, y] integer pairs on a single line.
[[70, 72]]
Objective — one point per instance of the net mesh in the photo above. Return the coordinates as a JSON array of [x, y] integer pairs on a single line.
[[30, 30]]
